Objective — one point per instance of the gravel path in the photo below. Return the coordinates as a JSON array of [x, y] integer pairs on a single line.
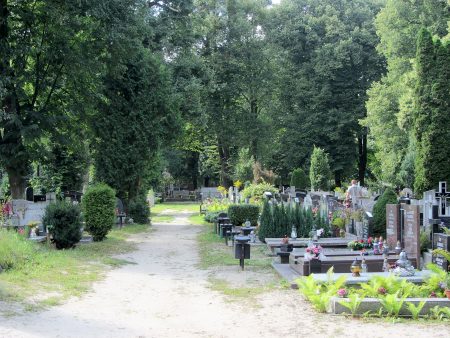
[[165, 295]]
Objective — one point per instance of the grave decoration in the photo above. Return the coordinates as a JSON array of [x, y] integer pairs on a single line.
[[403, 267]]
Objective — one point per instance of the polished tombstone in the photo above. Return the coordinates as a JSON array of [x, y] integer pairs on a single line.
[[411, 231], [441, 241]]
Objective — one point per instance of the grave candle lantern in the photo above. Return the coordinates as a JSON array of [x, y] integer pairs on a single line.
[[355, 268]]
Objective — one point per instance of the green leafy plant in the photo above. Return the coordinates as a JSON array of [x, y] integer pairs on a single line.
[[256, 191], [63, 220], [415, 310], [353, 303], [99, 202], [436, 313], [392, 304], [240, 213]]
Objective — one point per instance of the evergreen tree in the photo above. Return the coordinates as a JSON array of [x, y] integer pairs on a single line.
[[432, 118], [299, 179], [266, 225], [319, 172], [379, 211]]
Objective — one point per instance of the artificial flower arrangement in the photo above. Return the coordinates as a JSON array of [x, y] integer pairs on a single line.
[[314, 251], [361, 244]]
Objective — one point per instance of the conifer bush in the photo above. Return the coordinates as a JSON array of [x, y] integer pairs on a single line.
[[265, 229], [139, 210], [99, 203], [379, 211], [240, 213], [63, 221], [299, 179], [319, 172]]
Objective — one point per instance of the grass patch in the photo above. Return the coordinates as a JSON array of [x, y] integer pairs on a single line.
[[176, 206], [213, 252], [64, 272], [163, 218], [238, 293], [197, 219]]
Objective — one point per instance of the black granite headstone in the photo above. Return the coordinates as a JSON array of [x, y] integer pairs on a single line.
[[39, 198], [441, 241]]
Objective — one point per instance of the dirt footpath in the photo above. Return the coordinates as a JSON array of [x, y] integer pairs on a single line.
[[164, 294]]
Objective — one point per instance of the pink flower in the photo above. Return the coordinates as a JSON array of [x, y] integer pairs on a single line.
[[308, 250], [382, 291], [342, 293], [433, 294]]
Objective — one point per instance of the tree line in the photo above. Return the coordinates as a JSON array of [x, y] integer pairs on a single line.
[[212, 91]]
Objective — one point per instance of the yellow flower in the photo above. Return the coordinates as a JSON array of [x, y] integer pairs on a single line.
[[237, 184]]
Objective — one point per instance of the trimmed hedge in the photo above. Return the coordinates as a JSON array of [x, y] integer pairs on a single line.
[[99, 203], [63, 221], [240, 213]]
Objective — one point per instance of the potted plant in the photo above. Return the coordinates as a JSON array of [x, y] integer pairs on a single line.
[[339, 223], [447, 285]]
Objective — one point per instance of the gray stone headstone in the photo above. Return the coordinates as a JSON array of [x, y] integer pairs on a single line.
[[392, 224]]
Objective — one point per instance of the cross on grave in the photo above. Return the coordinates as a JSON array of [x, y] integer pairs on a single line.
[[442, 195]]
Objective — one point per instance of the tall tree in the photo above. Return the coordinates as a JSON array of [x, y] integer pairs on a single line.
[[391, 100], [50, 59], [138, 110], [432, 118], [330, 62]]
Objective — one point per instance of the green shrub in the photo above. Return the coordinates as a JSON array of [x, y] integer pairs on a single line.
[[299, 179], [15, 250], [139, 210], [63, 221], [240, 213], [265, 229], [211, 216], [379, 211], [319, 172], [256, 191], [99, 203]]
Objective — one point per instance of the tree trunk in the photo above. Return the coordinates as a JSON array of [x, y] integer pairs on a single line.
[[17, 182], [254, 140], [337, 178], [362, 156], [193, 168], [224, 155]]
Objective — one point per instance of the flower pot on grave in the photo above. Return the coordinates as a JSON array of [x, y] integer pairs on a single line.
[[447, 293], [342, 233]]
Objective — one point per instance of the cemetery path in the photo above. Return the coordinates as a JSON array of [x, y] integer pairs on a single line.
[[165, 294]]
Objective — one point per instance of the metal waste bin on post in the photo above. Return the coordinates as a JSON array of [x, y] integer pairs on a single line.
[[241, 249]]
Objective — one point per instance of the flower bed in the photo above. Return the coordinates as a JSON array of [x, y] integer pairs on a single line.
[[382, 296]]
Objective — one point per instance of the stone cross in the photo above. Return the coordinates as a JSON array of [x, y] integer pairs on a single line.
[[442, 195]]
